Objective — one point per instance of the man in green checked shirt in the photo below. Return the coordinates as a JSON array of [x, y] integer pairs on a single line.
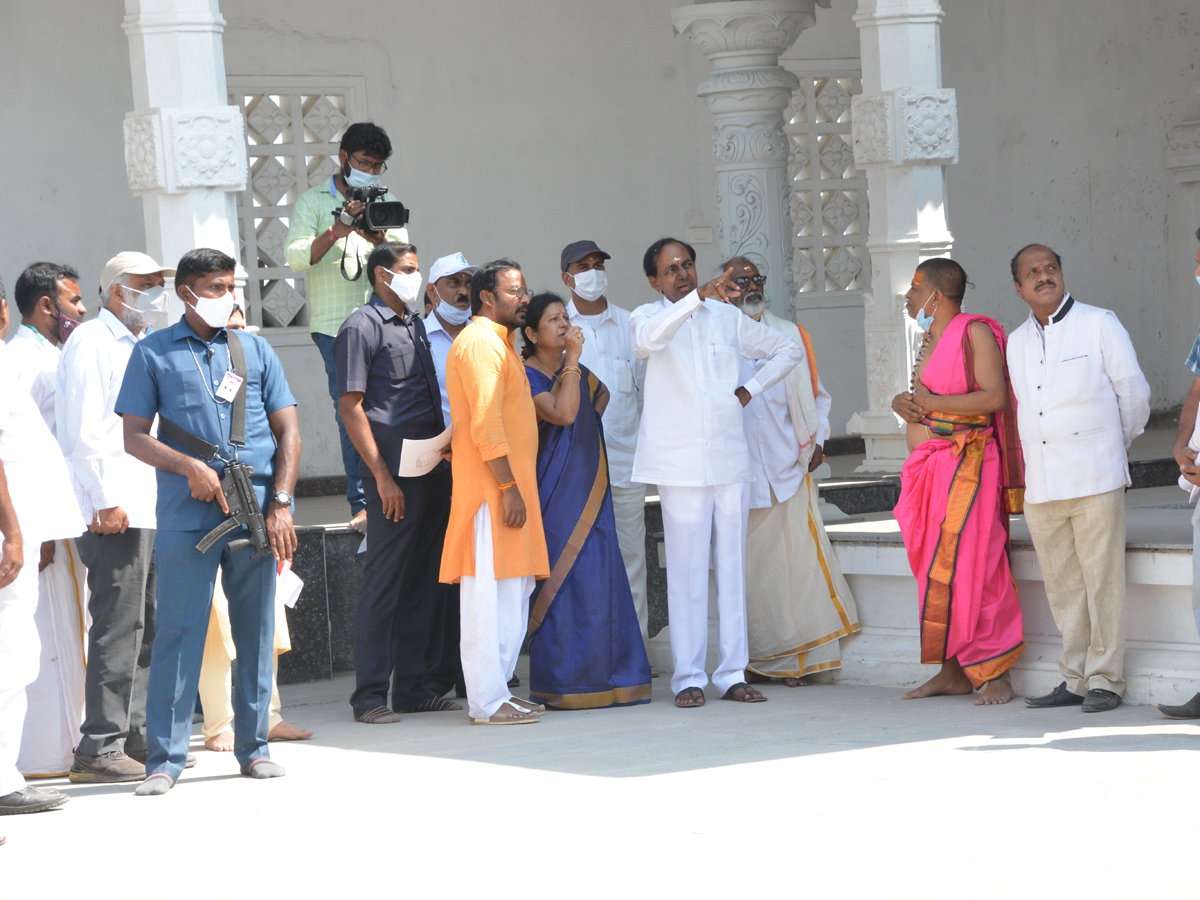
[[332, 255]]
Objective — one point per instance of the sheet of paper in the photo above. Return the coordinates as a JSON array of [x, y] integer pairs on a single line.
[[288, 585], [419, 457]]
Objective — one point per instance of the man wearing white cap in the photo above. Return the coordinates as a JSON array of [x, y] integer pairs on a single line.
[[117, 494], [448, 301], [50, 303]]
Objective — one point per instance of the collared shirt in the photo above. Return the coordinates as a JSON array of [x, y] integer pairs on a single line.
[[1081, 400], [772, 442], [172, 373], [38, 483], [331, 298], [691, 431], [385, 356], [34, 361], [1193, 360], [608, 351], [439, 348], [90, 432]]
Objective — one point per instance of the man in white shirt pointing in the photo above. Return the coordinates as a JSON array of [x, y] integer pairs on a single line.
[[1081, 400], [692, 445]]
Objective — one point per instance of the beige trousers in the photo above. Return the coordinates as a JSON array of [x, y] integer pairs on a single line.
[[1080, 544], [216, 667]]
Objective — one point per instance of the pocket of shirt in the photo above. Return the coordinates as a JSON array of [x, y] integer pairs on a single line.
[[1074, 360], [722, 364], [624, 377], [182, 390]]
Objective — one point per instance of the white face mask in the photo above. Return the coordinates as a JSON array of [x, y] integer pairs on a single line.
[[406, 286], [359, 179], [451, 314], [150, 308], [213, 311], [590, 285]]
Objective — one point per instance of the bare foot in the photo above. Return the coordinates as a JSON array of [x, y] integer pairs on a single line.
[[285, 731], [222, 743], [359, 521], [803, 681], [950, 679], [997, 691]]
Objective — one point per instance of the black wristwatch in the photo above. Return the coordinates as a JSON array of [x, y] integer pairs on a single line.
[[283, 498]]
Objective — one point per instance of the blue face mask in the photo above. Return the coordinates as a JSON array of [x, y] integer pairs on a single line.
[[925, 321], [452, 314], [357, 179], [1198, 278]]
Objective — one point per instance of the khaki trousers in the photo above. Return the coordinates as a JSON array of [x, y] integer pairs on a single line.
[[1080, 544]]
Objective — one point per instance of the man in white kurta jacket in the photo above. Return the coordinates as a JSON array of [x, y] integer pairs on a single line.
[[798, 604], [692, 445], [1081, 400], [55, 698]]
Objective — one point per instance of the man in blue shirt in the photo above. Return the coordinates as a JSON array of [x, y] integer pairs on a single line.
[[389, 392], [184, 374]]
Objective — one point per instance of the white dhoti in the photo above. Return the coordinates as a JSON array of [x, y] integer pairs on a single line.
[[629, 509], [697, 522], [798, 604], [216, 669], [55, 698], [495, 617], [18, 667]]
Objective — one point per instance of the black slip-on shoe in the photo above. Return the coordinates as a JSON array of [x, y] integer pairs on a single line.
[[1189, 710], [1060, 696], [1100, 700]]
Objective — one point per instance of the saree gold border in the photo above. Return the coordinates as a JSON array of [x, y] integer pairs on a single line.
[[935, 618], [566, 560], [813, 644], [797, 673], [988, 670], [596, 698]]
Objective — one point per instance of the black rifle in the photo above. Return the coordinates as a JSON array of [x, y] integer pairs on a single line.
[[235, 482]]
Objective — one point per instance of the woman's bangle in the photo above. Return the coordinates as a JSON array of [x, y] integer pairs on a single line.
[[505, 487], [574, 369]]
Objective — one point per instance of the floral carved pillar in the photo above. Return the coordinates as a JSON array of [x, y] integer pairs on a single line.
[[747, 93], [185, 149], [905, 128]]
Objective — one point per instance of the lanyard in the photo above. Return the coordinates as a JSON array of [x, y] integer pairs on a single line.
[[204, 376]]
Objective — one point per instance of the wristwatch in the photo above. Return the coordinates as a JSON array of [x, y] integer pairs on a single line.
[[283, 498]]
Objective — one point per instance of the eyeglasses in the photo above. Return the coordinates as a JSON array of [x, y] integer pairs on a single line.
[[374, 168], [744, 280], [522, 292]]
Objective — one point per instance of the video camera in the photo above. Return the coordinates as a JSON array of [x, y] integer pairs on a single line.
[[379, 214]]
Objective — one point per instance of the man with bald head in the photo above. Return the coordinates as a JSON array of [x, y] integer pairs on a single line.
[[1081, 400], [692, 445]]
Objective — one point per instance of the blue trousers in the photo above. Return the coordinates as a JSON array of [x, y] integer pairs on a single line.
[[350, 457], [185, 589]]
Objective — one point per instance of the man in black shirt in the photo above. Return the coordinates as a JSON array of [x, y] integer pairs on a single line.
[[389, 394]]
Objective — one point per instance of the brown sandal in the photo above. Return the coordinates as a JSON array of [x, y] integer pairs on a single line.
[[689, 698], [743, 693]]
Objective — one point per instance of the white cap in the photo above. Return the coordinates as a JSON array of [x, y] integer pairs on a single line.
[[131, 263], [451, 265]]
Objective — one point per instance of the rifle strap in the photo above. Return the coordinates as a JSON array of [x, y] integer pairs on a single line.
[[197, 446]]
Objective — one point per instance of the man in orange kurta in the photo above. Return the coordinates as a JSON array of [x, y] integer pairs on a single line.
[[495, 547]]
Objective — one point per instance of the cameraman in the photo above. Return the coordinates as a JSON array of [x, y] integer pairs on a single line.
[[186, 375], [330, 253]]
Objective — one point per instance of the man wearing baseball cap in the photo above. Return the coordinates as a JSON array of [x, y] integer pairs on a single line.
[[117, 494], [608, 351], [448, 310]]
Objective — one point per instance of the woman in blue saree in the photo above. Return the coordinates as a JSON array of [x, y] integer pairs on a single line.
[[585, 646]]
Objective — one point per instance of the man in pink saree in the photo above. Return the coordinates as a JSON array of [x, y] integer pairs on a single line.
[[961, 481]]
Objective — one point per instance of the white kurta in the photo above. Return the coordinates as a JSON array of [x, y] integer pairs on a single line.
[[34, 360]]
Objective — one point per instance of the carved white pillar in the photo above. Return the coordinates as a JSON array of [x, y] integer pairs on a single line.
[[747, 93], [185, 149], [905, 127]]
